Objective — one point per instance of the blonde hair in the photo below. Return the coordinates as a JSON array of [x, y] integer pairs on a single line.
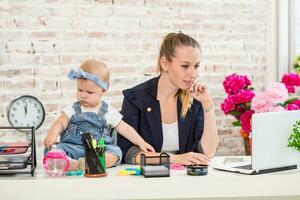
[[97, 68], [167, 49]]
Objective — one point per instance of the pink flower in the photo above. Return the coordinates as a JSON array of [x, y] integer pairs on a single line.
[[277, 91], [243, 96], [276, 109], [228, 105], [234, 83], [291, 80], [262, 103], [297, 102], [246, 120], [292, 106]]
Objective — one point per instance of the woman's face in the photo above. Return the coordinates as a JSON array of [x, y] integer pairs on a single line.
[[88, 93], [182, 70]]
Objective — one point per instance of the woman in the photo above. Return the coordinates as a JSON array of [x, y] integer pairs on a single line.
[[172, 112]]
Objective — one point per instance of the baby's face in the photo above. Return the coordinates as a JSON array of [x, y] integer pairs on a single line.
[[88, 93]]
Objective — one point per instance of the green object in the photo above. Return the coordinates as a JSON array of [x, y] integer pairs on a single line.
[[101, 144], [236, 123], [297, 64], [298, 70], [294, 139]]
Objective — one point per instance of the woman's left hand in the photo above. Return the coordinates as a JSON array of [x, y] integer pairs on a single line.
[[200, 92]]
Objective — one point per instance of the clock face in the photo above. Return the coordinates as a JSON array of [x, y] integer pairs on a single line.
[[26, 111]]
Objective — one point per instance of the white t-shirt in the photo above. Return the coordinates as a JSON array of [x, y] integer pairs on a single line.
[[170, 137], [112, 116]]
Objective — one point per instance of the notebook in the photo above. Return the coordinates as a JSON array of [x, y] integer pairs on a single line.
[[270, 153]]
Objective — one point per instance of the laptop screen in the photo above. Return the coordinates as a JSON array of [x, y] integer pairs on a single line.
[[270, 133]]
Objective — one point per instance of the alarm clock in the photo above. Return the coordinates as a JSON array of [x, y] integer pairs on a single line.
[[26, 111]]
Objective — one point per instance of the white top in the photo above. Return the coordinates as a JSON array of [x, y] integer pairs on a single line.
[[112, 116], [170, 137]]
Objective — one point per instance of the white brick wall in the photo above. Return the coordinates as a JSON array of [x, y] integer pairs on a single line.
[[40, 41]]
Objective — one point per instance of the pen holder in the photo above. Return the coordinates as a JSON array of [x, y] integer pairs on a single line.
[[94, 166]]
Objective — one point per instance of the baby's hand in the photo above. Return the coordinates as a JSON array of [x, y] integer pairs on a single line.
[[49, 141], [144, 146]]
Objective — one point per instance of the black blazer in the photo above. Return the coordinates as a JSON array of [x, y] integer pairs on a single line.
[[141, 110]]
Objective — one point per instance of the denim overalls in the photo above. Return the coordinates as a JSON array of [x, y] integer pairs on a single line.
[[87, 122]]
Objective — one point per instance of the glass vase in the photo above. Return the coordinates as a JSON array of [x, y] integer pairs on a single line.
[[248, 145], [247, 142]]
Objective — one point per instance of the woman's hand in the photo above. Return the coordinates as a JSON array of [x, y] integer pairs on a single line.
[[144, 146], [49, 140], [190, 158], [200, 92]]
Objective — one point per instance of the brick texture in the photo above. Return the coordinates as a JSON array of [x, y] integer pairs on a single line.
[[40, 41]]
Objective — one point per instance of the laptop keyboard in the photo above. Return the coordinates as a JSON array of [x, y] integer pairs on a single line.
[[244, 167]]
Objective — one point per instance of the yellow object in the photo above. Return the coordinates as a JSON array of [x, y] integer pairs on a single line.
[[94, 143], [124, 172]]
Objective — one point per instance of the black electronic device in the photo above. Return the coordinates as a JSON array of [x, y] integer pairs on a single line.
[[197, 170]]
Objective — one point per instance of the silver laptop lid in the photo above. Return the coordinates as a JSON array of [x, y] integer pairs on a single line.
[[270, 132]]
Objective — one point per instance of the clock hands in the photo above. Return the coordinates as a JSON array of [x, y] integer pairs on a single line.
[[25, 108]]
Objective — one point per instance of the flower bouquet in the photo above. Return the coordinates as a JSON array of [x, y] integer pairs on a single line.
[[238, 101], [241, 101], [238, 104]]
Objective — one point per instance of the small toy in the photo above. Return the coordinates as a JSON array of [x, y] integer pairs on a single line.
[[130, 171], [74, 173], [56, 162]]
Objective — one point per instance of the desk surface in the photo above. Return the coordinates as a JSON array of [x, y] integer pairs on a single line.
[[216, 185]]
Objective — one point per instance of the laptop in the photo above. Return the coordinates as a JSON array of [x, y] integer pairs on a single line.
[[270, 153]]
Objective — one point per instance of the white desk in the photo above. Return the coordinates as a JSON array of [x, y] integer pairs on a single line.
[[216, 185]]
